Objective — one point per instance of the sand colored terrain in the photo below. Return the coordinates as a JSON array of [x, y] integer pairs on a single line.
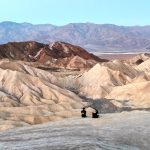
[[126, 85], [27, 96], [35, 92], [51, 83], [142, 56]]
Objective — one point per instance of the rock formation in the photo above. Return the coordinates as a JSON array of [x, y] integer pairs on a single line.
[[55, 81], [125, 85], [58, 54]]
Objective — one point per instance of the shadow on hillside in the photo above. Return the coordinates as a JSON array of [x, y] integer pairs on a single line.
[[48, 68], [106, 106], [102, 105]]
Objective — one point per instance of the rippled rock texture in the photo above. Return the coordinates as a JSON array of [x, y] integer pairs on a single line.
[[118, 131]]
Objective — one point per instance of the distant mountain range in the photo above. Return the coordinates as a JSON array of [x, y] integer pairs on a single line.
[[93, 37]]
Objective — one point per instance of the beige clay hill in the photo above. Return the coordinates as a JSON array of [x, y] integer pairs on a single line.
[[125, 85], [38, 92], [103, 77], [29, 98]]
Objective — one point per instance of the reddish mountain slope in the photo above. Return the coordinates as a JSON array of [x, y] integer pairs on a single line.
[[59, 53], [19, 50]]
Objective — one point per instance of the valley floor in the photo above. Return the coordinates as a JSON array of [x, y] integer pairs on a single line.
[[119, 56], [117, 131]]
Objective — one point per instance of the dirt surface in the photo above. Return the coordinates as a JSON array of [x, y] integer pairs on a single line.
[[117, 131], [121, 56]]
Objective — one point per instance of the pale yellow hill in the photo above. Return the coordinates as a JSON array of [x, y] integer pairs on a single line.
[[98, 81], [125, 85], [32, 100], [135, 95]]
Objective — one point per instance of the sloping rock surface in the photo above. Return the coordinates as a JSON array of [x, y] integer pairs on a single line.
[[125, 131]]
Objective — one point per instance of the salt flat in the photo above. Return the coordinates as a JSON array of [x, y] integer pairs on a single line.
[[116, 131]]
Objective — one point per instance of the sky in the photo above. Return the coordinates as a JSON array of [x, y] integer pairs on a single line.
[[61, 12]]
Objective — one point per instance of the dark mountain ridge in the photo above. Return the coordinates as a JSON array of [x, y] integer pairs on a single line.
[[58, 54]]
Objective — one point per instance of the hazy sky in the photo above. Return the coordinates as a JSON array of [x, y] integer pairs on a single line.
[[60, 12]]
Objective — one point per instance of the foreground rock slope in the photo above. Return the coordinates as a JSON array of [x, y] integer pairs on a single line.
[[125, 131]]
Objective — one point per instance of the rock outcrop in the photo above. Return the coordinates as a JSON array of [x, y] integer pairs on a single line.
[[19, 50], [58, 54], [138, 59]]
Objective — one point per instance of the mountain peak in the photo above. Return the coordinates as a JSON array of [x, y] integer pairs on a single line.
[[99, 37]]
